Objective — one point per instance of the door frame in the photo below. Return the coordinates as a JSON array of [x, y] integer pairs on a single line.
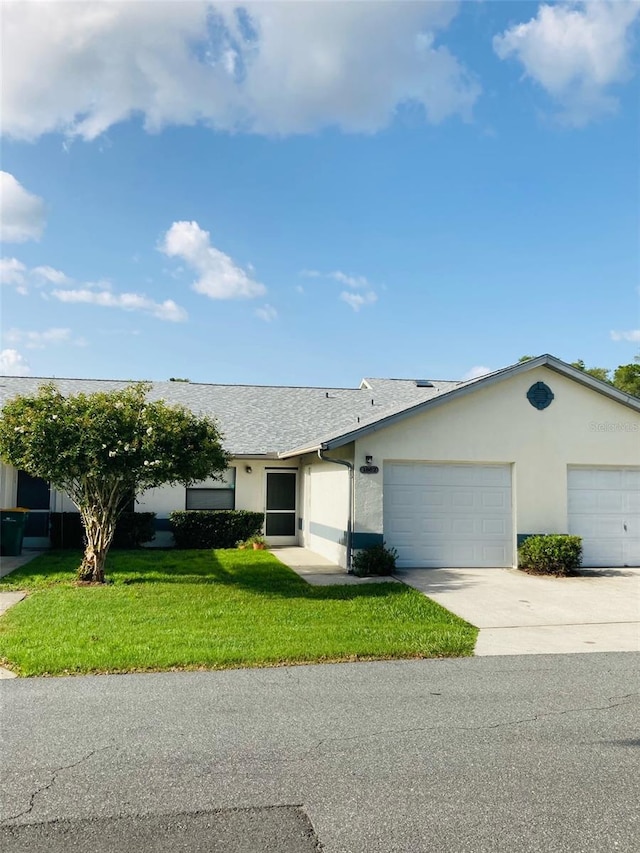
[[282, 541]]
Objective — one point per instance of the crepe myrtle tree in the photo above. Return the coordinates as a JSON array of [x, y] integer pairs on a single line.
[[104, 448]]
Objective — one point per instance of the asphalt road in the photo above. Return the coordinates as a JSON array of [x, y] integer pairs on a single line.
[[528, 753]]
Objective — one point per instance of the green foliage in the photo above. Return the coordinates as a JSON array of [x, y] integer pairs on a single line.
[[601, 373], [118, 437], [103, 448], [551, 554], [627, 378], [377, 560], [132, 530], [215, 528]]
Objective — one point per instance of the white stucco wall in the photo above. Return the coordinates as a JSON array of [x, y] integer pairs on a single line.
[[325, 505], [250, 488], [250, 492], [498, 424]]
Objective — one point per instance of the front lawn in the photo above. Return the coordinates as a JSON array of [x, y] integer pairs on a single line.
[[209, 610]]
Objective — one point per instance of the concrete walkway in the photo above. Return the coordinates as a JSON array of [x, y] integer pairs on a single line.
[[317, 570], [10, 564], [519, 614]]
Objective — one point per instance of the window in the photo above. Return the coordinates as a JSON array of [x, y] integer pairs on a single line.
[[216, 494], [34, 494]]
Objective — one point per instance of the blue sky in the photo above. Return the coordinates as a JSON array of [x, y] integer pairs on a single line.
[[306, 193]]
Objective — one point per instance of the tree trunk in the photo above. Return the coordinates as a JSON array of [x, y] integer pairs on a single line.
[[99, 529]]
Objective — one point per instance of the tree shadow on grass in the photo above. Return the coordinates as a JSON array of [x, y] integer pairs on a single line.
[[258, 573], [261, 574]]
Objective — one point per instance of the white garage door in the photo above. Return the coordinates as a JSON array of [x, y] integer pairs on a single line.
[[604, 508], [448, 515]]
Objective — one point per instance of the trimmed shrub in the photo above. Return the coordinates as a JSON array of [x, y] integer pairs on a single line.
[[214, 528], [551, 554], [378, 560], [132, 529]]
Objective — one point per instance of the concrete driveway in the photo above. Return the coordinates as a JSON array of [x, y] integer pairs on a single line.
[[519, 614]]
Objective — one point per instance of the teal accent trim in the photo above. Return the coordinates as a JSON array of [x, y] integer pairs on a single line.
[[522, 537], [162, 524], [332, 534], [367, 540]]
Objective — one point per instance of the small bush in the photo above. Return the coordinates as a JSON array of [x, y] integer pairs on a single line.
[[132, 529], [378, 560], [216, 528], [552, 554]]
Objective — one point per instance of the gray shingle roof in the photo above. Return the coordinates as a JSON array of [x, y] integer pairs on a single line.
[[258, 419], [272, 419]]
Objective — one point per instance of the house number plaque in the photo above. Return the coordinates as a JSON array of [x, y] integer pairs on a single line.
[[369, 469]]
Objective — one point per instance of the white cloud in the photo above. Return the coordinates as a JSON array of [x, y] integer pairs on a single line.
[[366, 296], [262, 67], [21, 212], [218, 276], [13, 364], [51, 275], [101, 293], [356, 281], [267, 313], [576, 51], [39, 340], [476, 372], [13, 271], [630, 335], [357, 300], [167, 310]]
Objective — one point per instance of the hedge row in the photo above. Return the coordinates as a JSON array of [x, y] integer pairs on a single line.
[[132, 529], [198, 528]]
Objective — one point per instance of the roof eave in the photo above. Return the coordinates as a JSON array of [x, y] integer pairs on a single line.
[[545, 360], [301, 451]]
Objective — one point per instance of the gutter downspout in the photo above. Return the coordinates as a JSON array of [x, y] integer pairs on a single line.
[[348, 465]]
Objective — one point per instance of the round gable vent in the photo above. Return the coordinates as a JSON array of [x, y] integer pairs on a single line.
[[540, 395]]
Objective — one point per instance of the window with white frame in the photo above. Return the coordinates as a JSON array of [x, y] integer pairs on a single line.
[[214, 494]]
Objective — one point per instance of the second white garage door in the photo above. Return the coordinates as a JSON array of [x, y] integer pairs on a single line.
[[439, 515], [604, 508]]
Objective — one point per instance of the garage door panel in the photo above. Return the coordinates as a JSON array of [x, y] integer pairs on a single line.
[[601, 553], [596, 478], [494, 527], [453, 515], [632, 503], [462, 500], [595, 501], [632, 526], [631, 479], [603, 527], [604, 509]]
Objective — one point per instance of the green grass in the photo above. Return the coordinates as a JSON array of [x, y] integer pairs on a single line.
[[166, 610]]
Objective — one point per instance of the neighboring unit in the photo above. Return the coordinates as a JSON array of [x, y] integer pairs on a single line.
[[448, 473]]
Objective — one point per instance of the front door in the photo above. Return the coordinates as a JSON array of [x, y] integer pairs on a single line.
[[34, 494], [281, 521]]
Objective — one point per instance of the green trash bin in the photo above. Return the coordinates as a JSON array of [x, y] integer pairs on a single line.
[[12, 525]]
